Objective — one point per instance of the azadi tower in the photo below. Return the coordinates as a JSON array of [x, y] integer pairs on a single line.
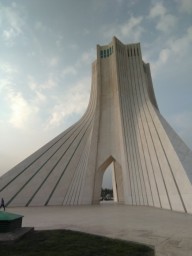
[[122, 125]]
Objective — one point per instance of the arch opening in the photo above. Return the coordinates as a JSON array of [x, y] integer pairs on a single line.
[[108, 193], [109, 174]]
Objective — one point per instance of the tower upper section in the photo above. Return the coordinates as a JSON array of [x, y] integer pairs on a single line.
[[106, 51], [126, 59]]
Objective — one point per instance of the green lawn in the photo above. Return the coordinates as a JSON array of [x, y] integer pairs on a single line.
[[70, 243]]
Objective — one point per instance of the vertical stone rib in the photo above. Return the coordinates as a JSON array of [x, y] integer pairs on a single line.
[[128, 183], [150, 146], [126, 124], [137, 132], [147, 150], [176, 204], [132, 144], [136, 114]]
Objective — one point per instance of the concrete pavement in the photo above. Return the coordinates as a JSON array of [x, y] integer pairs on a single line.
[[169, 232]]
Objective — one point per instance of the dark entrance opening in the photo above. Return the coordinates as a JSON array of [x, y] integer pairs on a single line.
[[107, 193]]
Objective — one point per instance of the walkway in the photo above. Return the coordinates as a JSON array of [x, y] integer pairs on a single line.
[[170, 232]]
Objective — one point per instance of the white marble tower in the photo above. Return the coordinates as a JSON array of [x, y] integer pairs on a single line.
[[123, 125]]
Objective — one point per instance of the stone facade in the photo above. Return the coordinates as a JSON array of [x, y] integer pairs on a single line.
[[122, 125]]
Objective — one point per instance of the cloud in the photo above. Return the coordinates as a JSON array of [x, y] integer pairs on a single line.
[[130, 29], [9, 34], [40, 26], [70, 70], [59, 41], [50, 83], [53, 62], [24, 111], [175, 50], [73, 46], [41, 91], [180, 46], [8, 74], [7, 68], [12, 22], [165, 21], [74, 101], [86, 58], [185, 6], [157, 10], [4, 82], [130, 25], [164, 55], [21, 109]]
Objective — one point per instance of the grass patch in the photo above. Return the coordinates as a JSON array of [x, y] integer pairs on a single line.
[[70, 243]]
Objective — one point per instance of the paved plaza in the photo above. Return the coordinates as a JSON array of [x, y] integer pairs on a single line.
[[169, 232]]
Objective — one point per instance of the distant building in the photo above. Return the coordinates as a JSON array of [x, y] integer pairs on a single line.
[[123, 125]]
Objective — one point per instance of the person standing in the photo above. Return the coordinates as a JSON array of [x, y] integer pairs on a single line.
[[2, 203]]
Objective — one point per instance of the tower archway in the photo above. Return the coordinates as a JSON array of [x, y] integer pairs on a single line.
[[117, 181], [107, 194]]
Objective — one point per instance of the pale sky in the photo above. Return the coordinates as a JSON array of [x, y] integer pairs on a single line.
[[46, 51]]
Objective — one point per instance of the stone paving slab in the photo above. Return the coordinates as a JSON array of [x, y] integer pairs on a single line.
[[169, 232]]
